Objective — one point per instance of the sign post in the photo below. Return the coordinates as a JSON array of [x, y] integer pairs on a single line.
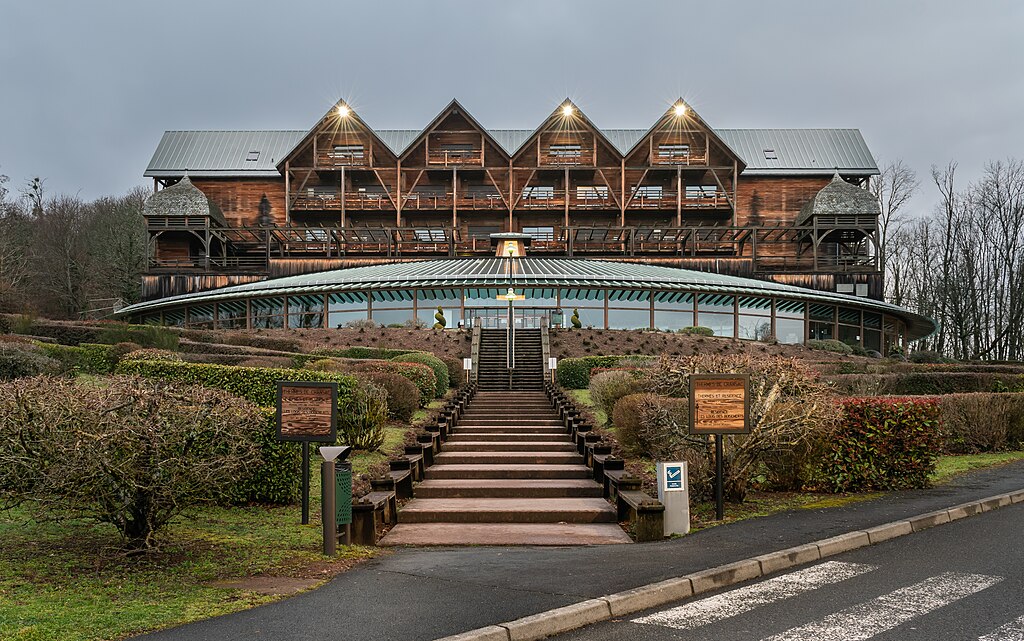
[[719, 405], [467, 365], [674, 494], [552, 367], [307, 412]]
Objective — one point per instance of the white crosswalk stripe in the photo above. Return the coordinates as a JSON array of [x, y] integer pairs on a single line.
[[1012, 631], [865, 620], [729, 604]]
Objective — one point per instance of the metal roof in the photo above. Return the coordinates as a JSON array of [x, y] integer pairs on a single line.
[[220, 153], [528, 272], [796, 151]]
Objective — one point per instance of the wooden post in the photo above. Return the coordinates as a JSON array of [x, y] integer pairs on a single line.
[[342, 195], [565, 191], [679, 196]]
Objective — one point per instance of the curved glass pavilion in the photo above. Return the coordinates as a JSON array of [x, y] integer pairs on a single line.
[[613, 295]]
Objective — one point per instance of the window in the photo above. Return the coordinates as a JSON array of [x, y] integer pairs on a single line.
[[564, 151], [769, 154], [543, 192], [252, 156], [592, 192], [701, 191], [348, 151], [668, 151], [648, 192], [540, 233]]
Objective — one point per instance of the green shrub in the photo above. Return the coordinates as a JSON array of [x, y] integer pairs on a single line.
[[574, 373], [91, 358], [915, 383], [384, 353], [248, 339], [607, 387], [981, 422], [927, 356], [420, 375], [151, 354], [830, 345], [275, 479], [144, 335], [255, 384], [130, 452], [362, 416], [22, 324], [882, 444], [434, 363], [19, 360], [697, 331], [439, 320], [455, 372], [63, 332], [403, 395]]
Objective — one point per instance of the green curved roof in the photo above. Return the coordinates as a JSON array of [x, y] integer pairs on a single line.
[[527, 272]]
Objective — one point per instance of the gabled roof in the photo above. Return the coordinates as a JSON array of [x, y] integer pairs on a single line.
[[452, 107], [220, 153], [320, 123], [578, 113], [802, 151], [692, 115]]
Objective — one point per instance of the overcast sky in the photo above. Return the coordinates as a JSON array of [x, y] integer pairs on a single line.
[[87, 88]]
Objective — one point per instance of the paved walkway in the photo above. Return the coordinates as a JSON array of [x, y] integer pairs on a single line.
[[424, 594]]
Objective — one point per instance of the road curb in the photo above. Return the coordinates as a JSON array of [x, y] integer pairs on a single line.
[[570, 617]]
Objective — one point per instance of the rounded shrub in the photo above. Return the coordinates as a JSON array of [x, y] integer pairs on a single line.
[[151, 354], [403, 395], [607, 387], [697, 331], [421, 375], [18, 360], [830, 345], [455, 373], [434, 363], [362, 416]]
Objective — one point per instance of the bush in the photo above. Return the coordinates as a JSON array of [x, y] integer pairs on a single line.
[[697, 331], [131, 453], [255, 384], [403, 396], [91, 358], [830, 345], [384, 353], [144, 335], [455, 371], [434, 363], [925, 383], [882, 444], [362, 415], [980, 422], [928, 356], [420, 375], [20, 360], [607, 387], [574, 373], [151, 354]]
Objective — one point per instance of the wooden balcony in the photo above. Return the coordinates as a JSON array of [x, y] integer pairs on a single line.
[[331, 158], [695, 157], [327, 201], [456, 158], [550, 199], [667, 200], [561, 157]]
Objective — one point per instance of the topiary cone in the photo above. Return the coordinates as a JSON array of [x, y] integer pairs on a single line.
[[439, 317], [575, 320]]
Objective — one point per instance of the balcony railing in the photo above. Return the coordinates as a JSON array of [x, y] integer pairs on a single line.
[[566, 157], [331, 158], [698, 157], [331, 201], [667, 200], [455, 157]]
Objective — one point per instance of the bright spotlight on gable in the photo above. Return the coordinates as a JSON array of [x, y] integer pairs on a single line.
[[567, 110], [680, 109], [343, 110]]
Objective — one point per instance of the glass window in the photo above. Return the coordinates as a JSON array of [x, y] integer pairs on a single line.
[[392, 316], [583, 298], [341, 319], [538, 298], [175, 318], [151, 319], [636, 299], [789, 331], [823, 313], [485, 297], [682, 301], [589, 317], [755, 305], [872, 320], [672, 321], [425, 314], [821, 331], [439, 296], [629, 318], [789, 309], [200, 316], [231, 315], [873, 339], [306, 311], [267, 313], [715, 303], [849, 316], [392, 298], [722, 324], [755, 328], [849, 334]]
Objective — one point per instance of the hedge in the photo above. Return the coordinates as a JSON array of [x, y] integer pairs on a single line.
[[882, 444], [382, 353], [421, 375], [434, 363], [830, 345], [91, 358], [926, 383], [277, 478], [574, 373], [981, 422], [255, 384]]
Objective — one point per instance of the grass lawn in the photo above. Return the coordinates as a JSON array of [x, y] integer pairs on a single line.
[[68, 580], [582, 396], [948, 467]]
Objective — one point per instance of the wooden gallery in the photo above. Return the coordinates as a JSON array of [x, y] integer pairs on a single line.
[[756, 233]]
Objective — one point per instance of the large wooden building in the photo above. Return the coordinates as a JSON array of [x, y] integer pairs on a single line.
[[783, 205]]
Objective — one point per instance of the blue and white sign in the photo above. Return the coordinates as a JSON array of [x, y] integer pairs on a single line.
[[673, 477]]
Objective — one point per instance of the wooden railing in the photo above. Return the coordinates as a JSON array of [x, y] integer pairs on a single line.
[[332, 201], [696, 157], [331, 158], [543, 199], [667, 200], [566, 157], [451, 157]]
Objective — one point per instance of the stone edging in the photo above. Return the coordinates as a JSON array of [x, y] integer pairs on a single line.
[[570, 617]]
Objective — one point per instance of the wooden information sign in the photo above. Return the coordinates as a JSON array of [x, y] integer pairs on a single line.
[[307, 411], [718, 404]]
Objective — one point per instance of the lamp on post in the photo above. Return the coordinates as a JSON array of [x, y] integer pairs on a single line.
[[335, 496]]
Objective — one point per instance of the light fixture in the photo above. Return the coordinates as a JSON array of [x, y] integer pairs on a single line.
[[567, 110], [331, 453], [680, 109], [511, 295], [343, 111]]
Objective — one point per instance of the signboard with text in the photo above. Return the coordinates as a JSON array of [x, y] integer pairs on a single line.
[[307, 411], [719, 404]]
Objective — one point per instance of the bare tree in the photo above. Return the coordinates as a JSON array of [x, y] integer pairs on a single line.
[[893, 189]]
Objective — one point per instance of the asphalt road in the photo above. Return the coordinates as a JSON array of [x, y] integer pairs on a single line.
[[955, 582]]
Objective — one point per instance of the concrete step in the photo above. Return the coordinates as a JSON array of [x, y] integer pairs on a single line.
[[511, 510], [506, 471], [506, 429], [508, 488], [505, 534], [513, 421], [506, 437], [508, 446], [495, 458]]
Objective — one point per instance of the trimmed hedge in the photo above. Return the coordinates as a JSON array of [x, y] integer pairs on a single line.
[[276, 480], [830, 345], [91, 358], [698, 330], [882, 444], [574, 373], [926, 383], [380, 353], [18, 360], [981, 422], [255, 384], [421, 375], [434, 363]]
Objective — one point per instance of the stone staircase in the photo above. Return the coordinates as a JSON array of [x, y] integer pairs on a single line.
[[508, 475], [493, 372]]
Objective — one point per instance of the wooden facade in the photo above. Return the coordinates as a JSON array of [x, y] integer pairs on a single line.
[[678, 197]]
